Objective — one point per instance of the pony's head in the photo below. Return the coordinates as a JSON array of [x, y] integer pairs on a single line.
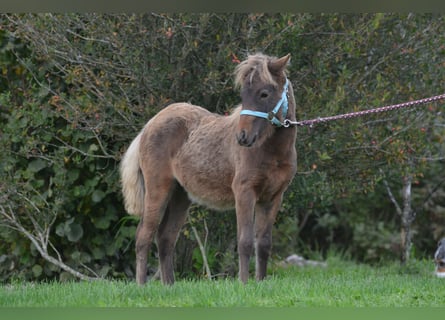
[[263, 84]]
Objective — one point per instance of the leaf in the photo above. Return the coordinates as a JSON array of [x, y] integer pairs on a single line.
[[60, 229], [73, 174], [324, 156], [98, 253], [111, 249], [104, 270], [37, 270], [377, 19], [93, 147], [36, 165], [75, 232], [97, 195], [76, 255], [102, 222]]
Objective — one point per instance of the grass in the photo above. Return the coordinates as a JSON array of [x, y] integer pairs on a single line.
[[341, 284]]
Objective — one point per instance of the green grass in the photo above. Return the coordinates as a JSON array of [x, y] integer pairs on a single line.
[[340, 284]]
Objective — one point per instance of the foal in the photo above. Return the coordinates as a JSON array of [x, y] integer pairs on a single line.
[[244, 161]]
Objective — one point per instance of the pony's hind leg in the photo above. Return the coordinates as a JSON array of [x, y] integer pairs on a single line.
[[155, 203], [144, 236], [168, 231]]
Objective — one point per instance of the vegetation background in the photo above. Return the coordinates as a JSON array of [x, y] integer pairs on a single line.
[[76, 88]]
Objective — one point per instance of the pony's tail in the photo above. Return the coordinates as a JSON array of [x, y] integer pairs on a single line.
[[132, 180]]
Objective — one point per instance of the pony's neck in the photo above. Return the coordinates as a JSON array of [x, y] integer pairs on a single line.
[[291, 101], [285, 137]]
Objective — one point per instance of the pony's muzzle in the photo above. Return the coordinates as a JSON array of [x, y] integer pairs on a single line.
[[245, 140]]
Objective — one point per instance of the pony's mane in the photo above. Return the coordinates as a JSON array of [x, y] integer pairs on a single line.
[[256, 64]]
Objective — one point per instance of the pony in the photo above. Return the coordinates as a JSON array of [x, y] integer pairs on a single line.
[[244, 160]]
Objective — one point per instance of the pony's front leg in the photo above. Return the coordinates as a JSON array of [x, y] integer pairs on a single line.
[[245, 204], [265, 215]]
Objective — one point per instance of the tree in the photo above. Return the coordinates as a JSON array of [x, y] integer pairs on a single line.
[[383, 59]]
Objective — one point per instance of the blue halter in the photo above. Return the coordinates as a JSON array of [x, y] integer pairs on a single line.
[[272, 115]]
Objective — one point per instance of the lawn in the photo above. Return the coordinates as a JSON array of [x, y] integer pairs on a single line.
[[341, 284]]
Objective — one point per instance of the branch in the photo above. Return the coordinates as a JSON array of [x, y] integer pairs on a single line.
[[391, 196], [41, 243], [203, 253], [432, 192], [86, 154]]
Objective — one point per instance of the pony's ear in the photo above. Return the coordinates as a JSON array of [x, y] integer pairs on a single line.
[[277, 66]]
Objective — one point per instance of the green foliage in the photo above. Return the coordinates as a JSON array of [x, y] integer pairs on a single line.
[[76, 89], [55, 173], [380, 61]]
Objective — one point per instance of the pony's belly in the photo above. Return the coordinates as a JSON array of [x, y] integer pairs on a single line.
[[207, 191], [216, 203], [206, 175]]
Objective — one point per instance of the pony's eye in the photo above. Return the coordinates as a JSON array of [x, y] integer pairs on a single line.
[[264, 94]]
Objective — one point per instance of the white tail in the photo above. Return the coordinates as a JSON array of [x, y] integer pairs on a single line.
[[132, 180]]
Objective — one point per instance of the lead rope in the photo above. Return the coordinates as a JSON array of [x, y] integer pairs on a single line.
[[288, 123]]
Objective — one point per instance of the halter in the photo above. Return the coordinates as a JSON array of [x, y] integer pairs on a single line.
[[272, 115]]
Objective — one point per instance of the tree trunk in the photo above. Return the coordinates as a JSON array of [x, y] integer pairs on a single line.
[[407, 217]]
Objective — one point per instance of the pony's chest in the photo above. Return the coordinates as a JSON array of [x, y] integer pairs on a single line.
[[273, 177], [281, 171]]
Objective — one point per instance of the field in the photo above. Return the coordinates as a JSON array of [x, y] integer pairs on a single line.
[[341, 284]]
